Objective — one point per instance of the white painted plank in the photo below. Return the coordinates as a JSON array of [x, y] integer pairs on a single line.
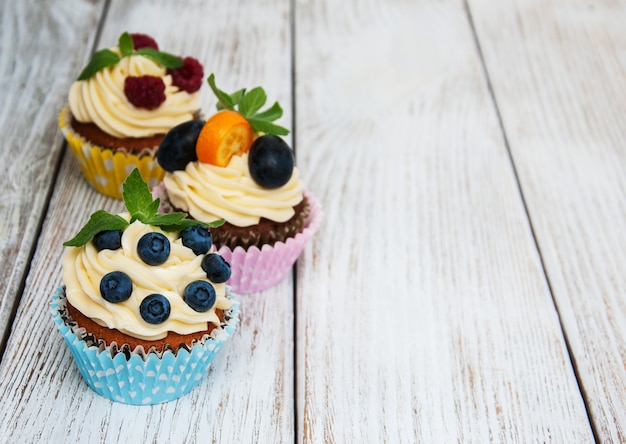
[[423, 313], [558, 71], [248, 393], [42, 45]]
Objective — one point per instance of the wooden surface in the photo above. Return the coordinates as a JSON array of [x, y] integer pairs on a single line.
[[468, 283]]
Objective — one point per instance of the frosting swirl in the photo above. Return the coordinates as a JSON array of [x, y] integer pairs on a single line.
[[209, 192], [101, 100], [84, 267]]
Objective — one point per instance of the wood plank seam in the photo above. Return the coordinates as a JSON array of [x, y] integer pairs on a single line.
[[530, 221]]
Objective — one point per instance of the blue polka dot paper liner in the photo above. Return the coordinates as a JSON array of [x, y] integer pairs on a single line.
[[142, 378]]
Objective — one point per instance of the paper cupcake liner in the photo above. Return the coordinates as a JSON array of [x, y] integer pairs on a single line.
[[257, 269], [105, 168], [142, 379]]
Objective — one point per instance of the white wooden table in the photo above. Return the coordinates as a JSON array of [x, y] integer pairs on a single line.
[[469, 281]]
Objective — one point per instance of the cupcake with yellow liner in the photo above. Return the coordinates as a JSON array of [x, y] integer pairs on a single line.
[[236, 167], [144, 307], [122, 104]]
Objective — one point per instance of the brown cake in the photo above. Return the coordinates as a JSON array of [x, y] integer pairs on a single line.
[[108, 336]]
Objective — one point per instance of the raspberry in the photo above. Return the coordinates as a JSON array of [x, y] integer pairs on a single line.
[[145, 91], [189, 76], [144, 41]]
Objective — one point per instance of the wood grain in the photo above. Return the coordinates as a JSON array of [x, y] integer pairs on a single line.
[[248, 393], [450, 280], [558, 72], [423, 312], [34, 38]]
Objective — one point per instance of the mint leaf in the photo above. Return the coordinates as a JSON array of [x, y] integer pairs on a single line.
[[137, 198], [164, 58], [166, 219], [184, 223], [234, 97], [100, 60], [225, 101], [150, 211], [125, 44], [99, 221], [263, 126], [215, 223], [237, 95], [271, 114], [252, 101]]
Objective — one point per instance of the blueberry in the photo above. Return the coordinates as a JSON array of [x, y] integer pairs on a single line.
[[199, 295], [153, 248], [108, 239], [178, 147], [116, 286], [198, 238], [270, 161], [155, 308], [216, 268]]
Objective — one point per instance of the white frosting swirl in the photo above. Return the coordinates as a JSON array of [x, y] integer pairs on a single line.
[[84, 267], [209, 193], [101, 100]]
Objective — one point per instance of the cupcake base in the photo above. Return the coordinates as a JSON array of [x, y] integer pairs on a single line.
[[257, 269], [106, 168], [136, 377]]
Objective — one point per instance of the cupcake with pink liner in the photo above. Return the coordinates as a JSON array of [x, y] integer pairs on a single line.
[[235, 167], [144, 307]]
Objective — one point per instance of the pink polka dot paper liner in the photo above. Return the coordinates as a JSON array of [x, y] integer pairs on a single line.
[[141, 378], [257, 269]]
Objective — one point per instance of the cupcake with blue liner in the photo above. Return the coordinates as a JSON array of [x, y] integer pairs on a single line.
[[144, 308]]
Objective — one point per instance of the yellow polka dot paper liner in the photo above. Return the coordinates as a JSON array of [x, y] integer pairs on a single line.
[[140, 378], [106, 169]]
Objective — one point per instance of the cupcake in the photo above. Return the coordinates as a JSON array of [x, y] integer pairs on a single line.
[[235, 167], [144, 307], [122, 104]]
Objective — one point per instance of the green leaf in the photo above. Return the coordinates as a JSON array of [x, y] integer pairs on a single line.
[[166, 219], [252, 101], [184, 223], [164, 58], [271, 114], [99, 221], [215, 223], [100, 60], [263, 126], [234, 97], [125, 44], [237, 95], [151, 210], [137, 198], [225, 101]]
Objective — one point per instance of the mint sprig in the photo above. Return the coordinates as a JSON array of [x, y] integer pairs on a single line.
[[105, 57], [139, 203], [249, 104], [99, 221]]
